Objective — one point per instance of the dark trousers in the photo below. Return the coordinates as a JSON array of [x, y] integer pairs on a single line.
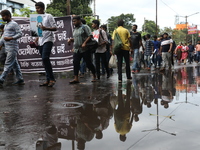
[[88, 60], [190, 57], [45, 51], [172, 58], [123, 54], [98, 58], [108, 55]]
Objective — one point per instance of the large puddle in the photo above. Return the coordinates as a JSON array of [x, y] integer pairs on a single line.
[[156, 111]]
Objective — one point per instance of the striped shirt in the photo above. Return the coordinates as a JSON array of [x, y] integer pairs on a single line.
[[11, 29], [148, 48]]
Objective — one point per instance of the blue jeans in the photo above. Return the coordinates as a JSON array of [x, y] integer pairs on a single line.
[[157, 59], [147, 60], [136, 60], [45, 51], [82, 66], [11, 62]]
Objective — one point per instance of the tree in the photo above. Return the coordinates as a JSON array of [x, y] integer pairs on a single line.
[[149, 27], [168, 30], [25, 12], [128, 19], [59, 7]]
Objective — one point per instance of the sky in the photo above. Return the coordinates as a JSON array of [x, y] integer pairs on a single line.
[[146, 9]]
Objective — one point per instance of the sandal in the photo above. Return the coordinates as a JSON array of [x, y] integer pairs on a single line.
[[45, 83], [94, 80], [51, 83], [74, 82]]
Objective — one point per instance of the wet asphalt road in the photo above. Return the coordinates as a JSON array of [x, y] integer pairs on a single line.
[[153, 111]]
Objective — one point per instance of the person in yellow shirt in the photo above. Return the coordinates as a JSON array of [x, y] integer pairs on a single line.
[[125, 51]]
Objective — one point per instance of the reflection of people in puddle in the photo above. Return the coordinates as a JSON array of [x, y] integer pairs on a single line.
[[149, 92], [49, 139], [137, 100], [104, 112], [122, 115], [168, 86], [86, 125]]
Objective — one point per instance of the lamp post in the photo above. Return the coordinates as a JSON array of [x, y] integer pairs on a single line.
[[186, 17], [156, 17]]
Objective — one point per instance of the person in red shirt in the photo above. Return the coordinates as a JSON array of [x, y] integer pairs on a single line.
[[184, 55], [178, 52]]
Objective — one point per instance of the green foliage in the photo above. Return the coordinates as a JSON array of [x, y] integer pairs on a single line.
[[149, 27], [78, 7], [128, 19], [89, 20], [25, 12], [168, 30]]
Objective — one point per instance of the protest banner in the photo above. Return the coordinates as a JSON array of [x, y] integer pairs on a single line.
[[61, 54]]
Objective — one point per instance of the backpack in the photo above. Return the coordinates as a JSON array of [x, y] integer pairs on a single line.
[[92, 44], [117, 43]]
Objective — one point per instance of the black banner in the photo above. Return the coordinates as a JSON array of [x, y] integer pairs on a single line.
[[61, 54]]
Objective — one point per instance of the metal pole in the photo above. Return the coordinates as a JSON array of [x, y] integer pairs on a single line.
[[186, 29], [94, 7], [68, 7], [156, 17]]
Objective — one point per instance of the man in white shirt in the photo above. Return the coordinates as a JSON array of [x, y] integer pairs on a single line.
[[46, 42], [100, 53]]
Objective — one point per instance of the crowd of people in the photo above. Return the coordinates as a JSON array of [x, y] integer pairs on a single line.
[[147, 54]]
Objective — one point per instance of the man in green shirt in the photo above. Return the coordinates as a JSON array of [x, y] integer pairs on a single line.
[[81, 35]]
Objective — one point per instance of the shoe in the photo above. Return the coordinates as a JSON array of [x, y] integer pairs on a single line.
[[108, 76], [81, 75], [119, 81], [19, 82], [1, 83], [45, 83], [162, 69], [133, 71], [74, 82], [129, 78], [51, 83]]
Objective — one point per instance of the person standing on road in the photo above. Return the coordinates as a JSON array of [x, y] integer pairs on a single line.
[[12, 32], [178, 52], [184, 55], [46, 42], [198, 52], [149, 48], [82, 34], [136, 40], [191, 52], [166, 49], [125, 50], [100, 54]]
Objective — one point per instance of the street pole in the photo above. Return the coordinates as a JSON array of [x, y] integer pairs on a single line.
[[68, 7], [186, 23], [156, 17], [94, 7], [186, 29]]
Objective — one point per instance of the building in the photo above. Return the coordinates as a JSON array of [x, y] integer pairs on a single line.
[[181, 26], [16, 5]]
